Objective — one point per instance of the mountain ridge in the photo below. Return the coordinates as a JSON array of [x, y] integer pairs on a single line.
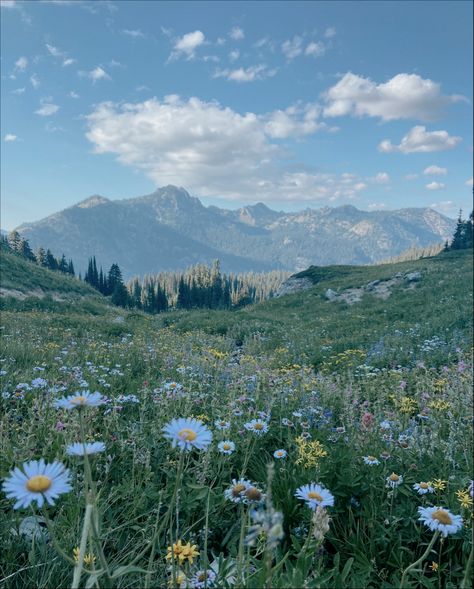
[[170, 229]]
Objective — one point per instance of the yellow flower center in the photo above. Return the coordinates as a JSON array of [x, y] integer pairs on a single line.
[[280, 453], [253, 494], [424, 485], [394, 477], [371, 458], [314, 495], [237, 489], [188, 435], [39, 484], [226, 446], [258, 426], [79, 400], [442, 516]]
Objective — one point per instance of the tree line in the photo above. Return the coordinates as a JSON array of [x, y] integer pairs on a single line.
[[463, 234], [17, 244]]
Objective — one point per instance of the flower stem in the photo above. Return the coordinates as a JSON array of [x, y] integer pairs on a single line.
[[82, 547], [419, 561]]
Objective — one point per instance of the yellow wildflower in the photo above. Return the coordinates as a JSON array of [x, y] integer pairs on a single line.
[[464, 499], [439, 484], [89, 558], [407, 405], [182, 552], [309, 452], [434, 566], [440, 405]]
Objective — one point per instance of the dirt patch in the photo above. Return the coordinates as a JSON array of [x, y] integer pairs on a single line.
[[381, 289], [36, 293]]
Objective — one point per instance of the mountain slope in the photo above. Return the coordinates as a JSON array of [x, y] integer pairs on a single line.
[[434, 313], [169, 229]]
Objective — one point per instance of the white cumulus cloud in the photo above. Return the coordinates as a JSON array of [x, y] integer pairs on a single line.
[[236, 33], [47, 108], [21, 64], [96, 74], [330, 32], [435, 186], [291, 48], [419, 140], [35, 81], [186, 45], [382, 178], [435, 171], [9, 137], [134, 33], [213, 150], [405, 96], [469, 182], [315, 49], [249, 74]]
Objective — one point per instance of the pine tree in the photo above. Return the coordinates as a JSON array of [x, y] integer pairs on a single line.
[[14, 241], [41, 257], [25, 251], [63, 265], [120, 295], [458, 237], [51, 261], [70, 268]]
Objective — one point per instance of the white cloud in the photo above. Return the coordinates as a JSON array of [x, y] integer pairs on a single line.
[[47, 108], [96, 74], [469, 182], [234, 55], [73, 94], [236, 33], [9, 137], [405, 96], [435, 186], [35, 81], [419, 140], [382, 178], [250, 74], [315, 49], [292, 48], [21, 64], [411, 176], [19, 91], [54, 51], [68, 61], [435, 171], [187, 45], [330, 32], [134, 33], [295, 121], [213, 150]]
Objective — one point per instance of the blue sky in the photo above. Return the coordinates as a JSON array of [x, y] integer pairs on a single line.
[[294, 104]]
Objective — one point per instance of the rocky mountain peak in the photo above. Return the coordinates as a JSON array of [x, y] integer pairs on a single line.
[[93, 201]]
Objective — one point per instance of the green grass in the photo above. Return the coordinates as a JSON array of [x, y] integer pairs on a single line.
[[334, 371]]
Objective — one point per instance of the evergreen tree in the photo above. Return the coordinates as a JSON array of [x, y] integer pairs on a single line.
[[51, 261], [25, 251], [114, 277], [14, 241], [120, 295], [70, 268], [63, 265], [41, 257], [458, 237]]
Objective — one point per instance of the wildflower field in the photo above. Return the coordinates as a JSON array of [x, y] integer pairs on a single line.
[[135, 454]]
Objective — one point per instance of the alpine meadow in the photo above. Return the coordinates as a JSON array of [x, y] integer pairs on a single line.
[[246, 361]]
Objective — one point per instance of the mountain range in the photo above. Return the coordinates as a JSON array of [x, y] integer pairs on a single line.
[[170, 230]]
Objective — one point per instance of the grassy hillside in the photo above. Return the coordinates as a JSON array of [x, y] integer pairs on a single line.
[[315, 330], [27, 286]]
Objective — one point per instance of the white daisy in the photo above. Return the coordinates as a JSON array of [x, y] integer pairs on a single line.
[[188, 434], [221, 424], [226, 447], [279, 454], [440, 519], [236, 492], [394, 480], [315, 495], [423, 488], [80, 399], [371, 460], [204, 578], [80, 449], [36, 482], [257, 426]]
